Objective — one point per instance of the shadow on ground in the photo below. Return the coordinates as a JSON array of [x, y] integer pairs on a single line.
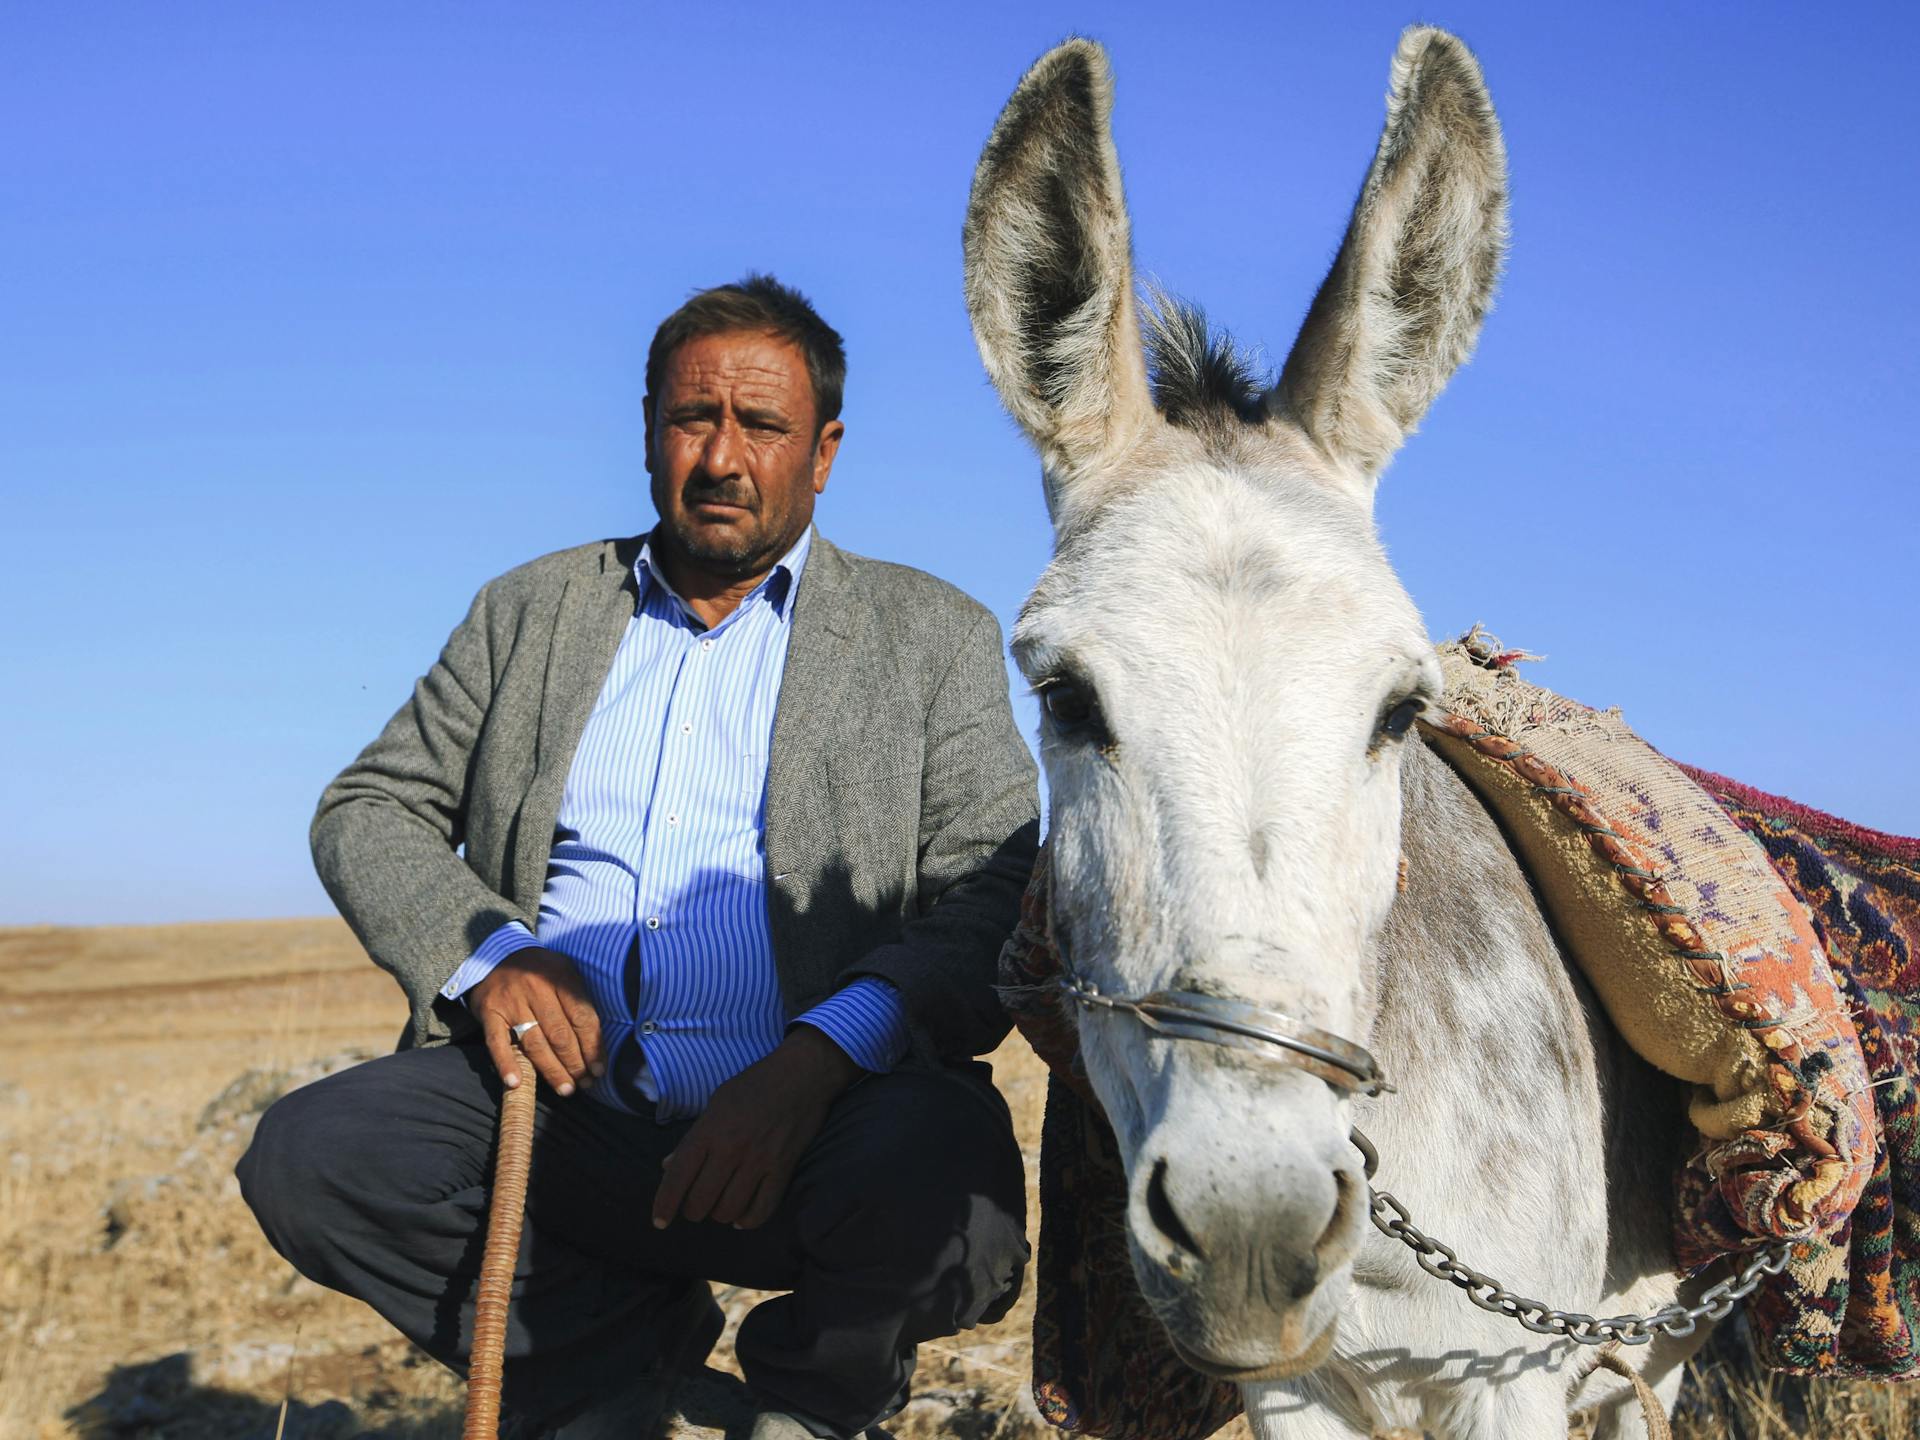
[[160, 1400]]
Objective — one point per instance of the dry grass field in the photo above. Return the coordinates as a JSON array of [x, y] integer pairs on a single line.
[[138, 1300]]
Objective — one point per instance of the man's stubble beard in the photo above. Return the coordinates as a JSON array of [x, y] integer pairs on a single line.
[[731, 561], [732, 558]]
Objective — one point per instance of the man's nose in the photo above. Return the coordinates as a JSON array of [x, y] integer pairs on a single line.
[[724, 454]]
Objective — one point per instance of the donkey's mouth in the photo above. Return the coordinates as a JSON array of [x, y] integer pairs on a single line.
[[1299, 1363]]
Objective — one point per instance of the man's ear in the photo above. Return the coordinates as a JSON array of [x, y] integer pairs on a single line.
[[646, 412], [824, 449]]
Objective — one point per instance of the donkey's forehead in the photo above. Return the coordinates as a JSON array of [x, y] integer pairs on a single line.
[[1202, 530]]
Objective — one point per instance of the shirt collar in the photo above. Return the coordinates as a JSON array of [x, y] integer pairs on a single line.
[[777, 589]]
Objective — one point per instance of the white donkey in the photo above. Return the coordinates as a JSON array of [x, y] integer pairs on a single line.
[[1229, 671]]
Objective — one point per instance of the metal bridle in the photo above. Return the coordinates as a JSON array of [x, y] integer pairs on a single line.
[[1188, 1015]]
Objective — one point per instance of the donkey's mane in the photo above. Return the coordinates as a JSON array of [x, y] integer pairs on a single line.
[[1199, 375]]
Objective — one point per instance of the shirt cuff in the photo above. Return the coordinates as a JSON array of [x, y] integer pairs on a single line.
[[867, 1019], [496, 947]]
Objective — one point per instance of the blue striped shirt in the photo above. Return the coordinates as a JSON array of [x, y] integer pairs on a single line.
[[659, 854]]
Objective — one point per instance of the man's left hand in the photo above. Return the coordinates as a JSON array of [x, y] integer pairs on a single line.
[[734, 1164]]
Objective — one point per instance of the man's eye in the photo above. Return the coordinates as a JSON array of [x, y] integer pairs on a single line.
[[1399, 720]]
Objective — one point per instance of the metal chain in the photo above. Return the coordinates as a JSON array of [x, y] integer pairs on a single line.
[[1391, 1219], [1341, 1063]]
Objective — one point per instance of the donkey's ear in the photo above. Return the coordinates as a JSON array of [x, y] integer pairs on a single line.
[[1049, 275], [1403, 304]]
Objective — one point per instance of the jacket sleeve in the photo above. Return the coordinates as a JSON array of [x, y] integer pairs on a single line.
[[387, 833], [979, 830]]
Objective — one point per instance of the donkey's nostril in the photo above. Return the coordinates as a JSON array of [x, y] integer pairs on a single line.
[[1336, 1241], [1165, 1218]]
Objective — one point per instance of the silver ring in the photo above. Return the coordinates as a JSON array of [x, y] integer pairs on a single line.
[[523, 1027]]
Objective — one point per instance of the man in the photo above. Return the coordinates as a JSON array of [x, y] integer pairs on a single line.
[[725, 827]]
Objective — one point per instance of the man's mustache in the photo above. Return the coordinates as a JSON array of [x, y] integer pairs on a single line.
[[703, 490]]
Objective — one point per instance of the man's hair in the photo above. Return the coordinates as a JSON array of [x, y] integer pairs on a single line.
[[759, 303]]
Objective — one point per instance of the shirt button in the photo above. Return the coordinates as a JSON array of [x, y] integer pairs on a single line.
[[647, 1027], [673, 819], [686, 727], [706, 644], [653, 922]]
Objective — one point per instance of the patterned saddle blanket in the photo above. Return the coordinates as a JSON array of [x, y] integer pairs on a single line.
[[1767, 953]]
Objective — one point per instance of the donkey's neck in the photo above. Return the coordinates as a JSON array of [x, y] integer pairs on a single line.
[[1500, 1062], [1521, 1134], [1468, 962]]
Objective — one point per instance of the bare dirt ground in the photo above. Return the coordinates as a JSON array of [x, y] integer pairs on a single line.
[[137, 1299]]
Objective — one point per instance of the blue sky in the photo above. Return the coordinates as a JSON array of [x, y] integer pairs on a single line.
[[314, 318]]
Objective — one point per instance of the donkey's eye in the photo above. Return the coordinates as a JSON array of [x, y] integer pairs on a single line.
[[1399, 720], [1069, 704]]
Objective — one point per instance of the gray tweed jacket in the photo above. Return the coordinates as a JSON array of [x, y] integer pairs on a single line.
[[901, 804]]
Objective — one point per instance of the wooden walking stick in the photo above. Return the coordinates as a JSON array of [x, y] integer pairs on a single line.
[[513, 1159]]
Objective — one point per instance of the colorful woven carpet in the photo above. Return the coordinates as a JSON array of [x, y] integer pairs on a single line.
[[1850, 1305]]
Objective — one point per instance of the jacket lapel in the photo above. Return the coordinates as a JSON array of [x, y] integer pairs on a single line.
[[592, 619], [816, 691]]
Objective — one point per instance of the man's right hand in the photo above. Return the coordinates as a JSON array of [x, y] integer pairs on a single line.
[[540, 985]]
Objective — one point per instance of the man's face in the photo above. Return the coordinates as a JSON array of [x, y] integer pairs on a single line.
[[732, 453]]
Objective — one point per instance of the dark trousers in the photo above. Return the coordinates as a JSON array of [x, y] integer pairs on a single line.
[[904, 1221]]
